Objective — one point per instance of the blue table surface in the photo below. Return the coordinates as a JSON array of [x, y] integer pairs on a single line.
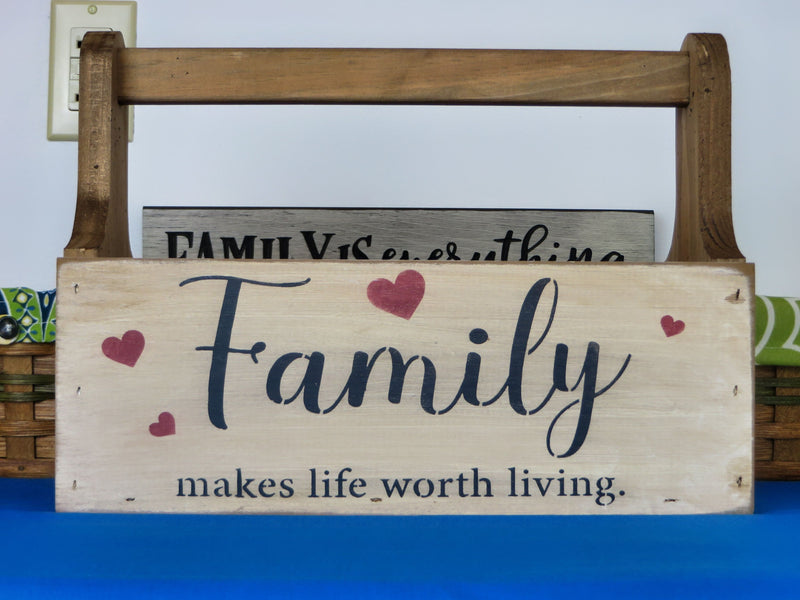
[[48, 554]]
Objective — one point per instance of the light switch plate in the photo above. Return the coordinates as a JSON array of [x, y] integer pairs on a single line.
[[69, 21]]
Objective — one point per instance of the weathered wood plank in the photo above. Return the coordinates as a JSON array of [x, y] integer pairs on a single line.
[[369, 387], [398, 234], [403, 76]]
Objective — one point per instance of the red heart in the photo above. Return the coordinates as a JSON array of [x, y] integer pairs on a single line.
[[400, 298], [164, 426], [671, 326], [126, 350]]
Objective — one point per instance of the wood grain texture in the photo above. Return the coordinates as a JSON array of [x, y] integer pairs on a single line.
[[402, 76], [762, 451], [399, 234], [38, 350], [783, 430], [101, 212], [775, 470], [18, 413], [504, 356], [46, 449], [25, 429], [703, 228], [27, 426], [27, 468]]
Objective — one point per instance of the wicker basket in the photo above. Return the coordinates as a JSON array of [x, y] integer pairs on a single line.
[[777, 427], [27, 410]]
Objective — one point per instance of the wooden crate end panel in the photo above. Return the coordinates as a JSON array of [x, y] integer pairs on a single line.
[[161, 442]]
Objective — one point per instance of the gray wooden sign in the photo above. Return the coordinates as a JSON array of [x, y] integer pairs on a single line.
[[398, 234]]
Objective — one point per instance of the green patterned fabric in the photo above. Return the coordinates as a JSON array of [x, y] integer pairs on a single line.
[[34, 312], [777, 331]]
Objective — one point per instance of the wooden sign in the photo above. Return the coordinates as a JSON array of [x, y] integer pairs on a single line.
[[375, 388], [398, 234]]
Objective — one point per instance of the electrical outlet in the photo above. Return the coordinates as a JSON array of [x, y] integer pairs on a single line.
[[69, 22]]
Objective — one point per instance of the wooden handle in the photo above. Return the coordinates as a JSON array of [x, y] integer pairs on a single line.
[[101, 211], [696, 81], [402, 76], [703, 216]]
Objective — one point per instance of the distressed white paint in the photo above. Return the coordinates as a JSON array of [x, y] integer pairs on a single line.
[[670, 430]]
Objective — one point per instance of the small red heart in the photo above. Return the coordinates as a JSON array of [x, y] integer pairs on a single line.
[[400, 298], [671, 326], [126, 350], [164, 426]]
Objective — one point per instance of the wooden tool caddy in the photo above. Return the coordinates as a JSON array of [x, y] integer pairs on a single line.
[[695, 81]]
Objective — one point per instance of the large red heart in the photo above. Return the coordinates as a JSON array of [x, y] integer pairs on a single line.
[[164, 426], [671, 326], [400, 298], [126, 350]]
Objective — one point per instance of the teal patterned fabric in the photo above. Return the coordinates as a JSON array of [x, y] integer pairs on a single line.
[[34, 312], [777, 331]]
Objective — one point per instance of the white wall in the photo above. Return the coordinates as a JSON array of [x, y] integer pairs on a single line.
[[415, 156]]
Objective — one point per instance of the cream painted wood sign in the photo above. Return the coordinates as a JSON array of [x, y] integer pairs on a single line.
[[403, 388]]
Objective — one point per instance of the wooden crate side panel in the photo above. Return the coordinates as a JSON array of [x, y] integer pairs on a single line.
[[312, 413]]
